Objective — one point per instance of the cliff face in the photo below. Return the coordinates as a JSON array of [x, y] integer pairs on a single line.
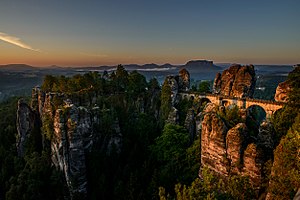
[[235, 143], [72, 125], [213, 143], [72, 138], [184, 80], [282, 91], [236, 81], [173, 83], [26, 122], [229, 151], [71, 131]]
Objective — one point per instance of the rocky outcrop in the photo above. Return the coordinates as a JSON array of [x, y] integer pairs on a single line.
[[213, 143], [253, 164], [178, 83], [173, 117], [265, 137], [68, 129], [172, 82], [235, 145], [236, 81], [184, 80], [72, 138], [115, 140], [190, 124], [26, 123], [282, 91], [233, 151]]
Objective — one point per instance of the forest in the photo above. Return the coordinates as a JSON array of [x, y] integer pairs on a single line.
[[157, 159]]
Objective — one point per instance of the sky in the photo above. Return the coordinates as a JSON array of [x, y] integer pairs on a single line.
[[110, 32]]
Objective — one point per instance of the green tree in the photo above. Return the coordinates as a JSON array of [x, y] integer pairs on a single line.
[[204, 87], [285, 179], [136, 84], [48, 83], [231, 115], [166, 101], [283, 119], [121, 78], [169, 150]]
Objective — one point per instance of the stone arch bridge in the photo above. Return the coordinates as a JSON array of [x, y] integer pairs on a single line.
[[270, 107]]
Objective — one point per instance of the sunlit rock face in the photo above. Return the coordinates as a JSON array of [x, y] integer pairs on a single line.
[[234, 151], [282, 91], [253, 163], [236, 144], [213, 143], [236, 81], [184, 80]]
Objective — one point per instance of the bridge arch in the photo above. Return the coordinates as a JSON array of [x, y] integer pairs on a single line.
[[225, 103], [257, 112], [201, 103], [270, 107], [255, 116]]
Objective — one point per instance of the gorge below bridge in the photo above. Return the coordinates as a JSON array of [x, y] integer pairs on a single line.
[[270, 107]]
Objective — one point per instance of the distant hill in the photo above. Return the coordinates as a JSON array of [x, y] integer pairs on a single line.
[[201, 65], [17, 67]]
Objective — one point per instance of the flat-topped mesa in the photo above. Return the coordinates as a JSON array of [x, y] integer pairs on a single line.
[[236, 81], [199, 63]]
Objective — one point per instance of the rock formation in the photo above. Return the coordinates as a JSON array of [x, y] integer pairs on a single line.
[[26, 123], [282, 91], [229, 151], [71, 124], [213, 143], [253, 164], [184, 80], [178, 83], [173, 117], [190, 124], [173, 83], [69, 127], [72, 138], [237, 81], [236, 143]]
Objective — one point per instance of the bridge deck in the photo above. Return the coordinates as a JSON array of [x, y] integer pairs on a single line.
[[234, 98]]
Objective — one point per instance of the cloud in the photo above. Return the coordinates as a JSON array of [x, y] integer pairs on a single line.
[[16, 41]]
